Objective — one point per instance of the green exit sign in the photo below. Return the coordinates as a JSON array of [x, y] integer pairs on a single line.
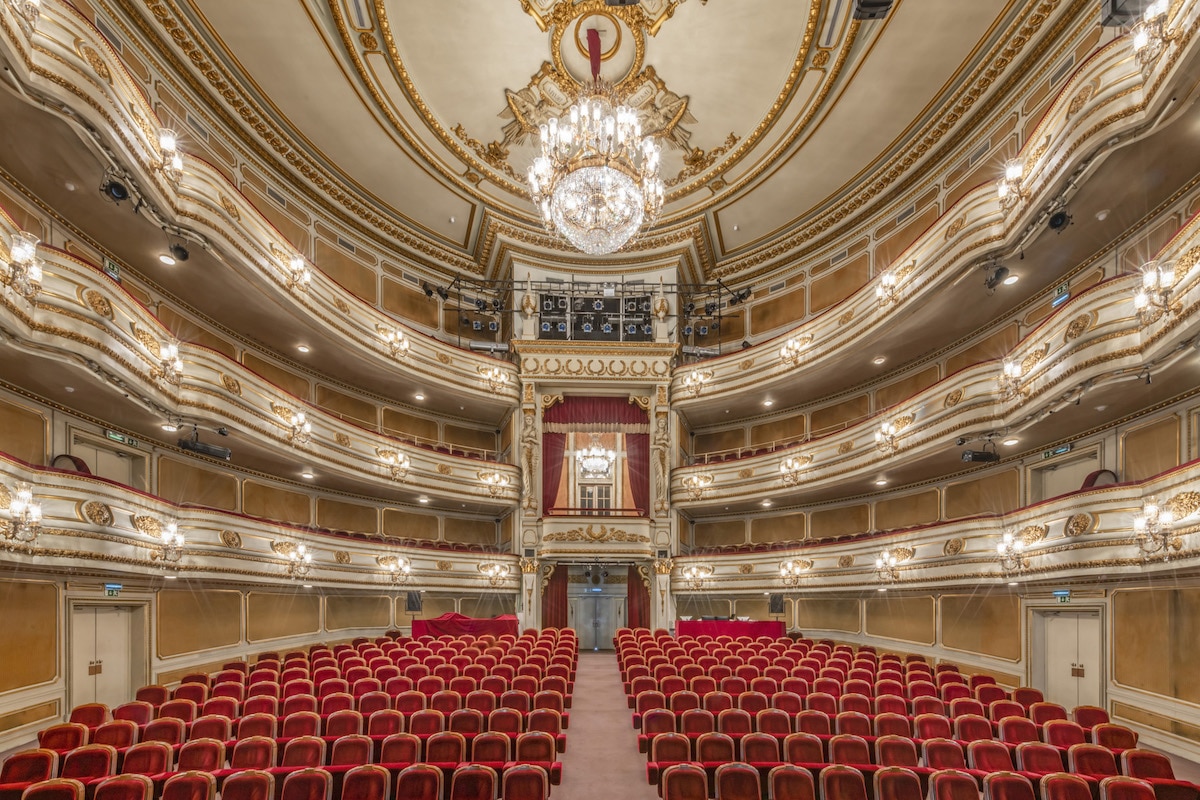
[[1066, 598], [112, 589]]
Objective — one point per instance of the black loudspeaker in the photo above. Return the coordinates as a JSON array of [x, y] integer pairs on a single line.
[[776, 604], [412, 602]]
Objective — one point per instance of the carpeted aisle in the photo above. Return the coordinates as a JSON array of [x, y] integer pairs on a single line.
[[602, 760]]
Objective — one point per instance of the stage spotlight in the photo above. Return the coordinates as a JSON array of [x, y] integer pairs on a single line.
[[710, 308], [442, 293], [996, 278], [114, 190], [180, 252], [480, 304], [689, 309], [497, 305], [428, 290]]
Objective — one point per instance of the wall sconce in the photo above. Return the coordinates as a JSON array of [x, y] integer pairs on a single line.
[[495, 378], [1010, 378], [25, 517], [170, 365], [1153, 533], [172, 159], [299, 560], [30, 10], [1011, 552], [793, 350], [696, 575], [885, 566], [299, 275], [301, 428], [24, 274], [171, 548], [397, 568], [1010, 189], [1153, 297], [791, 572], [695, 381], [494, 573], [792, 468], [886, 292], [1150, 35], [495, 481], [396, 341], [696, 485], [397, 463], [885, 438]]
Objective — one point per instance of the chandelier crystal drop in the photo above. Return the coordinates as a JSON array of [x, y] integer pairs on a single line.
[[26, 516], [24, 274], [596, 180], [594, 460]]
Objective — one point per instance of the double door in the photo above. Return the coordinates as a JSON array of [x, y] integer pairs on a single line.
[[1072, 665], [106, 654], [596, 619]]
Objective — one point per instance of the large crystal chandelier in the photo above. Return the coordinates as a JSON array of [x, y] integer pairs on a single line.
[[596, 181], [594, 460]]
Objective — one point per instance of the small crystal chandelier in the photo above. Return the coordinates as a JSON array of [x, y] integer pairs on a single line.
[[596, 180], [495, 481], [172, 159], [299, 561], [24, 275], [1010, 378], [791, 572], [30, 10], [397, 463], [299, 275], [171, 547], [495, 378], [25, 513], [696, 485], [1150, 35], [495, 573], [696, 380], [696, 575], [792, 468], [170, 365], [886, 292], [885, 437], [1011, 552], [1010, 189], [1153, 297], [301, 430], [1152, 529], [397, 568], [397, 343], [594, 460], [793, 349], [886, 566]]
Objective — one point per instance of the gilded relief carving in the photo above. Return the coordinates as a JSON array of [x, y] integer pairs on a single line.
[[98, 303], [445, 469], [231, 539], [953, 399], [1032, 534], [445, 566], [953, 546], [1079, 524], [230, 208], [745, 569], [530, 449], [147, 525], [746, 473], [845, 562], [148, 340], [591, 535], [341, 556], [1033, 359], [232, 385], [343, 439], [1184, 504], [94, 60], [1079, 326], [97, 513]]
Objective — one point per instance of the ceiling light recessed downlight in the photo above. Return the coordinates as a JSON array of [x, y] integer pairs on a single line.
[[170, 577], [169, 426], [169, 260], [1010, 442], [877, 360], [303, 348], [423, 500], [307, 474], [768, 403], [418, 396], [1014, 583], [881, 482], [1011, 279], [767, 504]]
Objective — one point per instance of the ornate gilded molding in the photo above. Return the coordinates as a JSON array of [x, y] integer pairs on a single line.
[[341, 557], [1184, 504], [1032, 534], [147, 525], [953, 546], [663, 566], [591, 535], [98, 513], [1079, 524], [845, 562], [529, 566], [231, 539], [445, 566]]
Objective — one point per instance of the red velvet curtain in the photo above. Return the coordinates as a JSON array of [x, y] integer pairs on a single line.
[[554, 445], [554, 599], [600, 414], [637, 600], [637, 461]]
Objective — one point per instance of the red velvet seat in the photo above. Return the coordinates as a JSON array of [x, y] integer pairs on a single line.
[[120, 733], [812, 721], [737, 781], [679, 782], [253, 753], [1091, 760], [853, 722], [303, 751], [897, 783], [934, 726], [301, 723], [1027, 696], [712, 748], [999, 709], [1014, 730], [307, 784], [950, 784], [1134, 764], [366, 782], [842, 783], [419, 782], [89, 762], [155, 695], [137, 711], [171, 730], [790, 782], [333, 702], [889, 724], [896, 751], [1063, 733], [1090, 716], [125, 787], [1120, 787], [758, 748], [346, 722], [735, 722], [1007, 786], [491, 746], [1114, 737], [1038, 757], [184, 709], [29, 767], [63, 737], [1043, 712], [847, 748], [473, 782], [201, 755], [989, 756], [964, 706], [1064, 786], [400, 748], [944, 754], [190, 786], [351, 750], [93, 715]]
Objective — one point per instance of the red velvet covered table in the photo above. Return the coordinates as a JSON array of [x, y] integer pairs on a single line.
[[451, 624], [730, 627]]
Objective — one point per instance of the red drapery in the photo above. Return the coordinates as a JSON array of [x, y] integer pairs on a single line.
[[637, 461], [597, 415], [554, 445], [637, 600], [554, 599]]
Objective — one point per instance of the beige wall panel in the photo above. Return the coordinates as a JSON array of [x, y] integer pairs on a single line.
[[834, 418], [291, 383], [733, 329], [506, 432], [186, 482], [991, 494], [780, 430], [193, 621], [989, 624], [187, 331], [887, 252], [14, 206], [701, 605], [718, 534], [1041, 312], [777, 310], [29, 635], [507, 529], [357, 611], [491, 604], [293, 232], [827, 614], [848, 278], [353, 276], [1160, 721], [1150, 449], [407, 525], [1156, 641], [399, 423], [995, 346], [470, 437], [719, 440], [1148, 243], [893, 393], [410, 303], [832, 522], [347, 407], [784, 528], [430, 607], [167, 677], [909, 619], [905, 512], [270, 502], [29, 715], [756, 608], [858, 246], [884, 230], [274, 616], [341, 516], [470, 531], [23, 433]]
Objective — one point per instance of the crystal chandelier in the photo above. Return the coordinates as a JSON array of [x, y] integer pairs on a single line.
[[1010, 378], [885, 437], [24, 275], [398, 464], [696, 575], [172, 544], [172, 159], [793, 349], [595, 461], [170, 365], [1011, 551], [301, 430], [1152, 529], [791, 469], [596, 180], [397, 568], [1153, 297], [1150, 35], [495, 481], [299, 561], [886, 566], [26, 516], [790, 572], [1010, 190], [697, 485], [495, 573]]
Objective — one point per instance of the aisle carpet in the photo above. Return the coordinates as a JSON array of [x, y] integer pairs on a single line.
[[602, 760]]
